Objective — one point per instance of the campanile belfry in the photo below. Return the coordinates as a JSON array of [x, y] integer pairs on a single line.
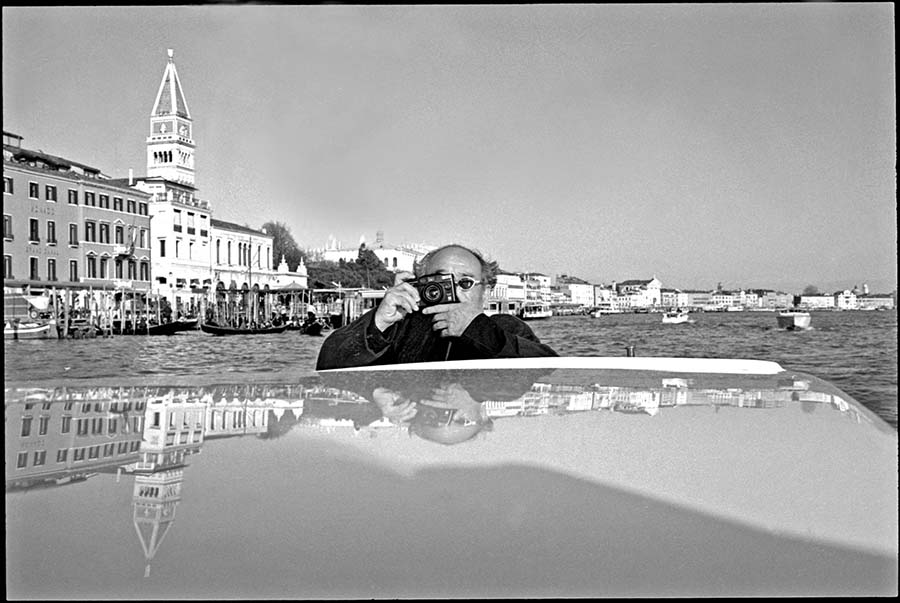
[[170, 146]]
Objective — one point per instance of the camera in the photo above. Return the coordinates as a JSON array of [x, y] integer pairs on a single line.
[[435, 289]]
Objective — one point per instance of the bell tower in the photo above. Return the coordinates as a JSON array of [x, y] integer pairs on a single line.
[[170, 146]]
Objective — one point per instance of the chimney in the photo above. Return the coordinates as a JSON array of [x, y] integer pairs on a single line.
[[130, 177]]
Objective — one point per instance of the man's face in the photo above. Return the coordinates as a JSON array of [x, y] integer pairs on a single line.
[[462, 265]]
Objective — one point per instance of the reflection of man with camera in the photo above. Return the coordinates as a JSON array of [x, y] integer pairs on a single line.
[[436, 314]]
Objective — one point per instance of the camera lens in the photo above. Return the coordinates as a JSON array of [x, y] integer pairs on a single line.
[[432, 293]]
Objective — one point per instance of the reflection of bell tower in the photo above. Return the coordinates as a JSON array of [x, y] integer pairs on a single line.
[[156, 495], [170, 146]]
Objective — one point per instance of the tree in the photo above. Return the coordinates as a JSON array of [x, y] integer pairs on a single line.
[[283, 244], [366, 271], [372, 271], [811, 290]]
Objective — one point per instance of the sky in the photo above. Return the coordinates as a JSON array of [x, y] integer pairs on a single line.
[[752, 145]]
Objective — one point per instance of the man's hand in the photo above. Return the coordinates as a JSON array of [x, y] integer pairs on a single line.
[[398, 301], [450, 320], [396, 408]]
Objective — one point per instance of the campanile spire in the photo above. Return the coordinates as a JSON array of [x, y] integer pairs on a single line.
[[170, 146]]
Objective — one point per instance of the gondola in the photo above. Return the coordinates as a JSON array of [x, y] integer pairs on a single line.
[[223, 330], [313, 328], [166, 328]]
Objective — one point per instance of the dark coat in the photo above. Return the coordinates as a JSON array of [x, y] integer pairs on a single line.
[[360, 343]]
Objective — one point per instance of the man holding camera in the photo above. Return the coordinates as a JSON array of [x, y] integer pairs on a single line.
[[437, 316]]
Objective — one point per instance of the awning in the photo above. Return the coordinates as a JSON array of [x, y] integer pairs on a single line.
[[40, 302]]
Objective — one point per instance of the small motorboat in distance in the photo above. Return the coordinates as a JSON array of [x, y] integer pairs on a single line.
[[674, 318], [793, 320]]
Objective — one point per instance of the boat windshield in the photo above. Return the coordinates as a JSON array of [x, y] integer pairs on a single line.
[[444, 480]]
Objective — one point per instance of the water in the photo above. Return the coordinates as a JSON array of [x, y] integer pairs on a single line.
[[856, 351]]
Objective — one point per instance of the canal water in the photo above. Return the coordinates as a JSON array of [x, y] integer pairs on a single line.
[[856, 351]]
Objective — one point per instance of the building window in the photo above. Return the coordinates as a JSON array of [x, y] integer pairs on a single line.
[[130, 205], [142, 208], [90, 231], [22, 460], [132, 270], [61, 455], [118, 268], [145, 271], [104, 232], [91, 267], [7, 185], [190, 250], [66, 426], [73, 234], [43, 423], [218, 251], [33, 272], [94, 452], [26, 427], [73, 197], [90, 199], [120, 235], [229, 253], [51, 269], [40, 456], [117, 203], [190, 223], [104, 267], [51, 232], [176, 220], [162, 248], [79, 454], [7, 227], [34, 190], [73, 271], [7, 267], [104, 201], [34, 234], [145, 234], [177, 248], [50, 192]]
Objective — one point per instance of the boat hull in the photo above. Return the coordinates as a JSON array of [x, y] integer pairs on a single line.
[[220, 330], [793, 321], [675, 319], [27, 331]]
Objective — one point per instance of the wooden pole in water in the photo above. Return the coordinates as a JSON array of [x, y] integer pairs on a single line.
[[66, 313], [56, 312]]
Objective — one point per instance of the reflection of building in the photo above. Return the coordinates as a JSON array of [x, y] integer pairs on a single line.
[[156, 496], [173, 428], [57, 435], [553, 398]]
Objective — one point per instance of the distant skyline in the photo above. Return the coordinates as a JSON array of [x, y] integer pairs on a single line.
[[748, 144]]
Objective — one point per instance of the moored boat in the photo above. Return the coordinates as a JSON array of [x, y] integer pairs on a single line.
[[313, 328], [14, 329], [793, 320]]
